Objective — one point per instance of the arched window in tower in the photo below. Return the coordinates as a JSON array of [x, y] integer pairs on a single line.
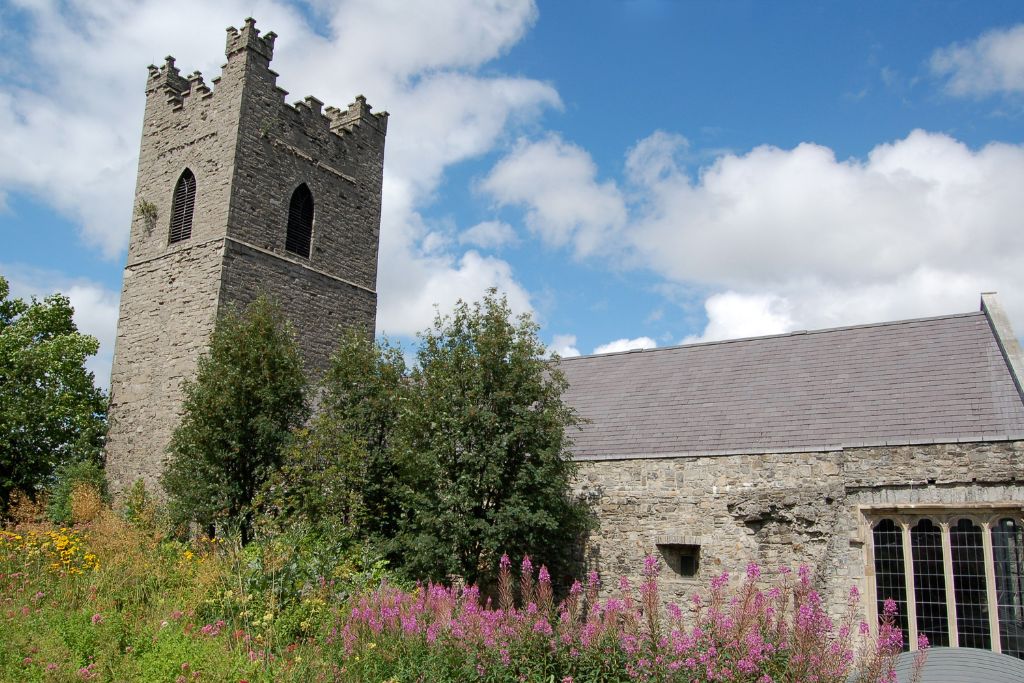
[[300, 222], [181, 207]]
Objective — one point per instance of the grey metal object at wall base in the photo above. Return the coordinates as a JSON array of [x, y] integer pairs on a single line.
[[962, 665]]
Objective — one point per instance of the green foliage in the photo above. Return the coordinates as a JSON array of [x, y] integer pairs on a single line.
[[319, 484], [50, 409], [68, 476], [140, 509], [366, 394], [488, 428], [248, 394]]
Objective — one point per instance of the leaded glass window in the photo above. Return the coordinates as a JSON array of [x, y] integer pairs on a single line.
[[956, 577]]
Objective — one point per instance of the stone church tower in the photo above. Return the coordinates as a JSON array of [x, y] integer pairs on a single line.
[[238, 193]]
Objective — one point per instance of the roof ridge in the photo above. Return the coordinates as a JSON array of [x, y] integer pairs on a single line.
[[794, 333]]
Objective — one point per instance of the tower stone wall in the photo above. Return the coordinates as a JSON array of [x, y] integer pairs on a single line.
[[248, 150]]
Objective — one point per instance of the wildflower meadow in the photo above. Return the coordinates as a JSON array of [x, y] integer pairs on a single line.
[[113, 599]]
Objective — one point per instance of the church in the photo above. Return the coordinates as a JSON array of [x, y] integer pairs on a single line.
[[885, 456]]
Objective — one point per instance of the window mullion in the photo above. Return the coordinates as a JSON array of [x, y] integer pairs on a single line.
[[947, 567], [908, 578], [990, 584]]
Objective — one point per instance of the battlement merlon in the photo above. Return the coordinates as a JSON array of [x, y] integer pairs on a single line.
[[248, 38], [167, 78], [357, 113]]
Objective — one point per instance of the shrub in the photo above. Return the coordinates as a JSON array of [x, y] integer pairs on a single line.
[[248, 394], [84, 476]]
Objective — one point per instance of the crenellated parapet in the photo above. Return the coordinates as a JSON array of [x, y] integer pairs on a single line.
[[248, 38], [248, 70], [357, 113], [166, 79]]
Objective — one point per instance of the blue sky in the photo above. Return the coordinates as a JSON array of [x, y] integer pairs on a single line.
[[633, 173]]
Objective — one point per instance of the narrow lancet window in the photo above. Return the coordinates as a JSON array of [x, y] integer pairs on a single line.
[[966, 542], [181, 207], [300, 222], [890, 573], [1008, 557], [929, 582]]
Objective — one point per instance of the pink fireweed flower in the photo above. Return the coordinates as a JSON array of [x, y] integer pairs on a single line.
[[505, 563], [720, 581], [651, 566], [543, 576], [922, 642], [753, 571], [527, 565], [805, 574]]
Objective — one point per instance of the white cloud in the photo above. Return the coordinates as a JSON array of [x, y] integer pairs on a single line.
[[732, 315], [70, 126], [992, 63], [795, 238], [95, 308], [564, 345], [626, 345], [565, 203], [489, 235], [441, 282], [923, 211]]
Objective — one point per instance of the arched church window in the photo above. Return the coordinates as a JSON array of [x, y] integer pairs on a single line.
[[182, 205], [1008, 556], [956, 576], [929, 582], [970, 589], [890, 572], [300, 222]]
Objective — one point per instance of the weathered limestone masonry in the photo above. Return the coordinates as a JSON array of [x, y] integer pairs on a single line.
[[249, 151], [886, 456], [783, 509]]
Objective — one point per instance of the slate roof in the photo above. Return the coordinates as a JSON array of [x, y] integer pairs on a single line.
[[931, 380]]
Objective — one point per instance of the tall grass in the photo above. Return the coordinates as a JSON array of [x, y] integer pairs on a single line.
[[115, 600]]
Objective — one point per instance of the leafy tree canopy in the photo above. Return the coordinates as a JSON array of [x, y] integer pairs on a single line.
[[247, 397], [51, 412], [366, 395], [466, 454]]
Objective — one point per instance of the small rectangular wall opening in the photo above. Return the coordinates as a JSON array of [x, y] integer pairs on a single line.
[[681, 558]]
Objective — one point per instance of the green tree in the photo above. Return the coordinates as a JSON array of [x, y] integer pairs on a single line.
[[247, 397], [51, 412], [365, 395], [488, 428]]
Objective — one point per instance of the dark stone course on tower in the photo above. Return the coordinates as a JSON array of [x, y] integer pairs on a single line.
[[249, 151]]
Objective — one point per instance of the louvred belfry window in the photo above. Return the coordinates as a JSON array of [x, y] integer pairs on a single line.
[[300, 222], [182, 206]]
